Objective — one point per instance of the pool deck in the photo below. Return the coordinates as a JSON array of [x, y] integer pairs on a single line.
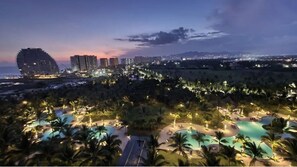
[[230, 130], [168, 131], [119, 131]]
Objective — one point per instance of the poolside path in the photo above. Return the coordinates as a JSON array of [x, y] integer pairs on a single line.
[[169, 130]]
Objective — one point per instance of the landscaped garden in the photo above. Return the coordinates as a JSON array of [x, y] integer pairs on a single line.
[[197, 123]]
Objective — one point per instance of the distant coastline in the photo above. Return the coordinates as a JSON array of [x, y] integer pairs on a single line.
[[9, 71]]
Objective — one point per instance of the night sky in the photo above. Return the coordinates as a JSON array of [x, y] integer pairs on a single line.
[[146, 27]]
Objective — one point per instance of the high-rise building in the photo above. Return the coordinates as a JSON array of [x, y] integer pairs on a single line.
[[113, 61], [33, 62], [103, 62], [127, 61], [85, 63]]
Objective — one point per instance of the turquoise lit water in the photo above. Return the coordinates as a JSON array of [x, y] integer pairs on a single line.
[[252, 129], [49, 133], [59, 113], [38, 123], [268, 119], [69, 118], [110, 130]]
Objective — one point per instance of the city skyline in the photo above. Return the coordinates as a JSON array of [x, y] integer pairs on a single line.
[[146, 28]]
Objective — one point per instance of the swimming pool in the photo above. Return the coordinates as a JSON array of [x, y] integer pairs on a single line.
[[49, 133], [252, 129], [268, 119], [110, 130], [59, 113]]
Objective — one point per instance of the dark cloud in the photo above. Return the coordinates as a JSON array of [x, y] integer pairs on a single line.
[[263, 26], [174, 36], [254, 26]]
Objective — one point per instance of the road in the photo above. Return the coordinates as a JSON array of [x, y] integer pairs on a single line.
[[134, 149]]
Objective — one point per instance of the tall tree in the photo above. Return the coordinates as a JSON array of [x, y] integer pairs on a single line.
[[208, 158], [94, 154], [254, 151], [219, 137], [153, 159], [112, 145], [290, 147], [242, 139], [153, 142], [68, 154], [227, 156], [180, 143], [273, 140], [199, 137], [83, 135]]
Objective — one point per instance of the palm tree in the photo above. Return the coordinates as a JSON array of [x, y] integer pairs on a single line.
[[153, 159], [273, 140], [100, 130], [112, 145], [154, 143], [39, 115], [59, 124], [278, 125], [94, 154], [219, 137], [63, 102], [180, 143], [290, 147], [48, 106], [227, 156], [254, 151], [21, 151], [83, 135], [7, 137], [73, 104], [240, 138], [208, 158], [46, 151], [199, 137], [68, 132], [68, 154], [183, 163]]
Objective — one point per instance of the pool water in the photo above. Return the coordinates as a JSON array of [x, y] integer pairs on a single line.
[[252, 129], [49, 133], [59, 113], [98, 136], [69, 118], [193, 142], [268, 119], [38, 123]]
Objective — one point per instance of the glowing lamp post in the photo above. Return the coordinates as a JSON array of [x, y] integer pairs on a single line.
[[206, 125], [90, 121], [174, 116]]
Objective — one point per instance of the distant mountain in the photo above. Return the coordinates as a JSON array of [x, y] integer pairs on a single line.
[[197, 55]]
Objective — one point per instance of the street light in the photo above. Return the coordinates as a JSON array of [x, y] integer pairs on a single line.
[[174, 116]]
